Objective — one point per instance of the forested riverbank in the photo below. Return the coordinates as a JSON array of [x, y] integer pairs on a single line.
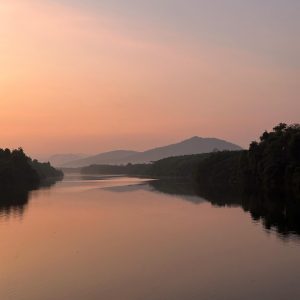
[[271, 165]]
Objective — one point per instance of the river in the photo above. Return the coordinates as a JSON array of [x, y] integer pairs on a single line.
[[120, 238]]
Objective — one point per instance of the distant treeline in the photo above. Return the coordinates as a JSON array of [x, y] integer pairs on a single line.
[[271, 165], [18, 171], [178, 166]]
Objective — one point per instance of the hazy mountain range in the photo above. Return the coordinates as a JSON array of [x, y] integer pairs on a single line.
[[193, 145]]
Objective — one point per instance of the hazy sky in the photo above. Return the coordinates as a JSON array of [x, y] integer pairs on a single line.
[[89, 76]]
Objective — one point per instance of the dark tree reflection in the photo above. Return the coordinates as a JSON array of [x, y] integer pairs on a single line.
[[13, 202], [278, 214]]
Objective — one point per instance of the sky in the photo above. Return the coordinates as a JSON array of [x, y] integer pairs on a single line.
[[92, 76]]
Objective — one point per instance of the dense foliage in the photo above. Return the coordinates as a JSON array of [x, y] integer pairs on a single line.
[[274, 161], [45, 170], [221, 169], [271, 165], [17, 170]]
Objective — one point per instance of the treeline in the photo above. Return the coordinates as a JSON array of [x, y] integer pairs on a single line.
[[179, 166], [18, 171], [271, 165], [45, 171], [274, 161]]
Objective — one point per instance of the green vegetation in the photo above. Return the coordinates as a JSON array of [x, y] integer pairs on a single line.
[[18, 171]]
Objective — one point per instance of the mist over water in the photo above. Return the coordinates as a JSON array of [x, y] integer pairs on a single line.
[[97, 237]]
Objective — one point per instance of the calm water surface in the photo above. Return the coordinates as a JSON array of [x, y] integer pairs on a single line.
[[130, 239]]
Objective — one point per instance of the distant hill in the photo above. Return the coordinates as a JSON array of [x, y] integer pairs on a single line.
[[102, 158], [194, 145], [61, 159]]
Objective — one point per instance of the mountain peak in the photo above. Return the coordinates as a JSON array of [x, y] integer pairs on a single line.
[[193, 145], [193, 138]]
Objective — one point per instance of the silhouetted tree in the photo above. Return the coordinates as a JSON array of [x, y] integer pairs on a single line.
[[18, 171]]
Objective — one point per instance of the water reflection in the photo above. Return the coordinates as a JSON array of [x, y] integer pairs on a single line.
[[13, 202], [185, 190], [279, 215], [120, 239]]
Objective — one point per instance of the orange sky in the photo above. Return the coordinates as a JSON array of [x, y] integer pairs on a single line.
[[73, 79]]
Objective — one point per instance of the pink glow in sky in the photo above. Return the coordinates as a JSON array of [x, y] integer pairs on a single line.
[[78, 79]]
